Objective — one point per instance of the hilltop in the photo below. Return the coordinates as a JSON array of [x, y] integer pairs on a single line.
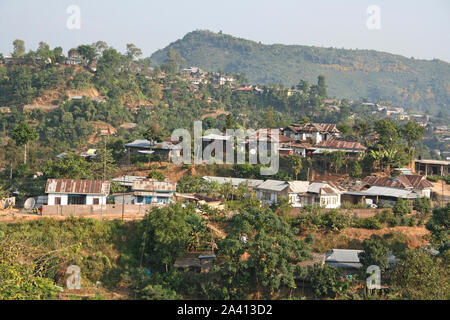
[[413, 83]]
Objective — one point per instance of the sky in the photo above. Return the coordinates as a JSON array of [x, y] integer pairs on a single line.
[[412, 28]]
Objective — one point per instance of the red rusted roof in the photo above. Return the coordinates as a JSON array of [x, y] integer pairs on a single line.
[[406, 181], [77, 186], [153, 185], [340, 144], [314, 127]]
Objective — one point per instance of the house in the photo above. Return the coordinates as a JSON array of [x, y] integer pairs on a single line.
[[324, 194], [300, 193], [315, 131], [70, 191], [235, 182], [195, 262], [270, 191], [388, 190], [408, 182], [150, 191], [432, 167], [166, 150], [138, 145], [349, 258], [351, 148], [72, 61], [127, 181]]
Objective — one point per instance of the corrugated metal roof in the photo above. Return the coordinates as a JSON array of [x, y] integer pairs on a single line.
[[273, 185], [234, 181], [314, 127], [322, 188], [144, 144], [390, 192], [340, 144], [436, 162], [77, 186], [299, 186], [405, 181], [150, 185]]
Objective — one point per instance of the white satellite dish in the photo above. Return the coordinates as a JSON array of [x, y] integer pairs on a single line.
[[29, 203]]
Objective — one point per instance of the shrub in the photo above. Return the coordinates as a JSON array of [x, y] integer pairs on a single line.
[[368, 223], [401, 207], [422, 205]]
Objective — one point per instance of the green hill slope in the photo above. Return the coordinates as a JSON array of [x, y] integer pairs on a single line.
[[352, 74]]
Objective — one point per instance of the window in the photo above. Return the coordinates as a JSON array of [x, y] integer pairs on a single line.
[[96, 201], [57, 200], [77, 199]]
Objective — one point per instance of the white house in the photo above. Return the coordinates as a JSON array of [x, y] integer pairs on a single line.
[[69, 191], [300, 193]]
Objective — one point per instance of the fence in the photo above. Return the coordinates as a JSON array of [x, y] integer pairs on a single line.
[[93, 210]]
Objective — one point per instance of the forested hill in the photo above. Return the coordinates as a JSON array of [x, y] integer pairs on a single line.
[[352, 74]]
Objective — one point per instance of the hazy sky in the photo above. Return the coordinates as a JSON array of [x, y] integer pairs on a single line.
[[408, 27]]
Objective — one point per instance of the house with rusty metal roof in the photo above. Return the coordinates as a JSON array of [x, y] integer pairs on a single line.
[[70, 191], [334, 144], [316, 131], [151, 191], [407, 182]]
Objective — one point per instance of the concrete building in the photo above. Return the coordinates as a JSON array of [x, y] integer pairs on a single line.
[[300, 193], [76, 192], [150, 191]]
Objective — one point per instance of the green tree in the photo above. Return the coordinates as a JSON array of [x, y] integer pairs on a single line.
[[19, 48], [70, 167], [419, 276], [260, 252], [23, 134], [321, 86], [326, 281], [389, 133], [133, 52], [166, 236], [439, 226], [87, 52], [375, 252]]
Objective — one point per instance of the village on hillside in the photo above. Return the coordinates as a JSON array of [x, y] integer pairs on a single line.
[[88, 177]]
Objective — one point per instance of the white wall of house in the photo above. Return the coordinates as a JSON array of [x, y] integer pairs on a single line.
[[101, 199], [52, 196], [330, 201], [426, 193], [268, 197], [65, 198]]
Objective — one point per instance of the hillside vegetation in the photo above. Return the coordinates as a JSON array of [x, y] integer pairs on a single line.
[[351, 73]]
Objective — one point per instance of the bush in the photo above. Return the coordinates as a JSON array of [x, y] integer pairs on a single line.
[[368, 223], [422, 205], [401, 207]]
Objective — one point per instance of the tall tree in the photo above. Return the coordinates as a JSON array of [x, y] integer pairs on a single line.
[[389, 133], [133, 52], [412, 132], [19, 48], [87, 52], [23, 134], [321, 86]]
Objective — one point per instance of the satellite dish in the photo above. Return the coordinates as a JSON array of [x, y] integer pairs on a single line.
[[29, 203]]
